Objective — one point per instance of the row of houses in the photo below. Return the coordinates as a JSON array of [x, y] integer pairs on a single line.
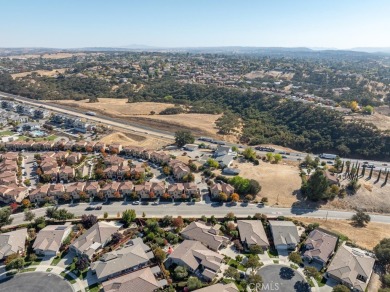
[[10, 190], [179, 169], [199, 252], [26, 110], [111, 190]]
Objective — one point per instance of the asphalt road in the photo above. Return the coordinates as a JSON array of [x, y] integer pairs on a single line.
[[35, 282], [199, 209]]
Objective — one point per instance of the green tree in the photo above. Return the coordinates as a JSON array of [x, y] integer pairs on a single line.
[[316, 187], [5, 216], [28, 215], [277, 158], [232, 273], [180, 273], [270, 156], [368, 110], [254, 279], [128, 216], [194, 283], [212, 163], [341, 288], [360, 218], [382, 251], [160, 255], [338, 163], [295, 257], [253, 263], [249, 153], [184, 137], [256, 249], [17, 263], [312, 272]]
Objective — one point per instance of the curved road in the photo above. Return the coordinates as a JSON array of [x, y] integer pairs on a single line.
[[199, 209]]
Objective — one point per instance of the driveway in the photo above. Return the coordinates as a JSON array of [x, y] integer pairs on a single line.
[[282, 278]]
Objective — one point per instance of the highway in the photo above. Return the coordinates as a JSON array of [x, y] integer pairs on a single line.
[[136, 127], [198, 209]]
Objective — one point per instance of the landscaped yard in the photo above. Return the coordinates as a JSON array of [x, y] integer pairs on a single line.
[[233, 263], [6, 133], [272, 253], [28, 270], [33, 263], [48, 138], [68, 277]]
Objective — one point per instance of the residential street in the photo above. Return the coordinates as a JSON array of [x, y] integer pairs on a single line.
[[199, 209]]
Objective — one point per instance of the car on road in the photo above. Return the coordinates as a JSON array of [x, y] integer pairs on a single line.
[[260, 205], [144, 203], [284, 156], [89, 208], [329, 162], [365, 162], [98, 208], [384, 164], [370, 166], [135, 202]]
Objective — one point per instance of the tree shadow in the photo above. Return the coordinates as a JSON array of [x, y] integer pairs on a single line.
[[302, 286], [303, 205], [286, 273]]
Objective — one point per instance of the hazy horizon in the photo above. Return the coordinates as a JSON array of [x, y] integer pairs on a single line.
[[177, 24]]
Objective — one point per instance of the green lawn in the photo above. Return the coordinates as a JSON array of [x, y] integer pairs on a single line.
[[28, 270], [321, 282], [233, 263], [48, 138], [55, 261], [34, 263], [276, 261], [295, 267], [6, 133], [68, 277], [272, 253]]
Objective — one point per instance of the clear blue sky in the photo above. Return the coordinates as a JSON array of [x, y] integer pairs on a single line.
[[175, 23]]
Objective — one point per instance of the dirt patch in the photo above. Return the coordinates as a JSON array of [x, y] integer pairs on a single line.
[[199, 124], [279, 182], [270, 74], [380, 118], [119, 106], [51, 56], [371, 197], [130, 139], [40, 72], [366, 237]]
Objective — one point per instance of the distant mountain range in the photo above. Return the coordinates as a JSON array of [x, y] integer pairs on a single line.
[[315, 51]]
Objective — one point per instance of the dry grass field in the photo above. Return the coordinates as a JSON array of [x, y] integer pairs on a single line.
[[139, 112], [50, 56], [272, 74], [129, 139], [366, 237], [279, 182], [381, 119], [371, 197], [40, 72], [119, 106]]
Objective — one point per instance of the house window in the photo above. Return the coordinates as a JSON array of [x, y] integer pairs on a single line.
[[361, 278]]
